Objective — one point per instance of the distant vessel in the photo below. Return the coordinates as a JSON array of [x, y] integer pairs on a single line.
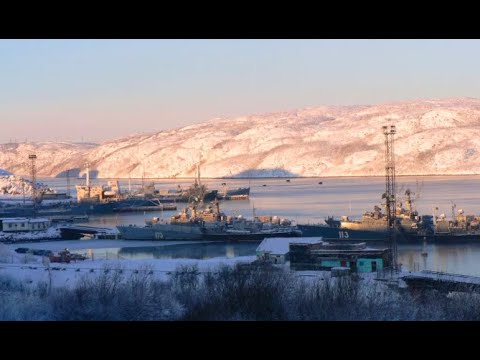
[[163, 231], [187, 225], [103, 199], [199, 192], [234, 194], [334, 233], [196, 193], [372, 226], [210, 224], [407, 219], [462, 228]]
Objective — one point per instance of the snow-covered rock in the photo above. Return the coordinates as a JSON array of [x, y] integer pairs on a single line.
[[14, 185]]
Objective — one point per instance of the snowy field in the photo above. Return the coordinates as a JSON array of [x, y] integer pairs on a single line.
[[61, 274], [32, 269]]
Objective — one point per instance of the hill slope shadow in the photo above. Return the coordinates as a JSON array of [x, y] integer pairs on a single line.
[[272, 172]]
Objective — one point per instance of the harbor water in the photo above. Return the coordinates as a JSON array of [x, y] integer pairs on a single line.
[[311, 200]]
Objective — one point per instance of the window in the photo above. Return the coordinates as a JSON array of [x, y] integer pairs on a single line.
[[9, 225], [23, 224], [360, 263]]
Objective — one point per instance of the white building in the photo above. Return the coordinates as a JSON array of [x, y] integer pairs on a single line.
[[275, 249], [23, 224]]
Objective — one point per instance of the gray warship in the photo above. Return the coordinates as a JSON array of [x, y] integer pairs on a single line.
[[181, 227], [372, 226], [461, 228], [407, 220], [210, 224]]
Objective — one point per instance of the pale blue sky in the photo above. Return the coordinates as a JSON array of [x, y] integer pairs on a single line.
[[104, 89]]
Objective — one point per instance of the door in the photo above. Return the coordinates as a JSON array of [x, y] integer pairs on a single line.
[[374, 266], [353, 266]]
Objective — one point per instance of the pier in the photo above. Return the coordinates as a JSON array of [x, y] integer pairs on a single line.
[[77, 232], [161, 207], [441, 281]]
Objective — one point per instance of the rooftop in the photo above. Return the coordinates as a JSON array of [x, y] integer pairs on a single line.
[[280, 245]]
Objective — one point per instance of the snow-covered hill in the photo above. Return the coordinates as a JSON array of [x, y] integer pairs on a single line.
[[438, 136], [52, 157]]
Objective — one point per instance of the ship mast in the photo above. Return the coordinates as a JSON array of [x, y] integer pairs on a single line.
[[33, 171], [68, 183], [198, 169], [389, 195], [197, 178], [88, 179], [453, 211]]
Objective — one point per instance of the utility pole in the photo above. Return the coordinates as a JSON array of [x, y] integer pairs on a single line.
[[33, 171], [389, 132]]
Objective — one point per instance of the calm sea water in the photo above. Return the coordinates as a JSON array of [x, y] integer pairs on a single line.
[[307, 201]]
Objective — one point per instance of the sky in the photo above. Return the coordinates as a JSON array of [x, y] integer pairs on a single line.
[[96, 90]]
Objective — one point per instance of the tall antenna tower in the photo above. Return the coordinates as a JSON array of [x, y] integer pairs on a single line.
[[33, 172], [389, 132]]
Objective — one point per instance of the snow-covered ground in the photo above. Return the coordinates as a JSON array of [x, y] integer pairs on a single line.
[[31, 269], [51, 233], [436, 136]]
